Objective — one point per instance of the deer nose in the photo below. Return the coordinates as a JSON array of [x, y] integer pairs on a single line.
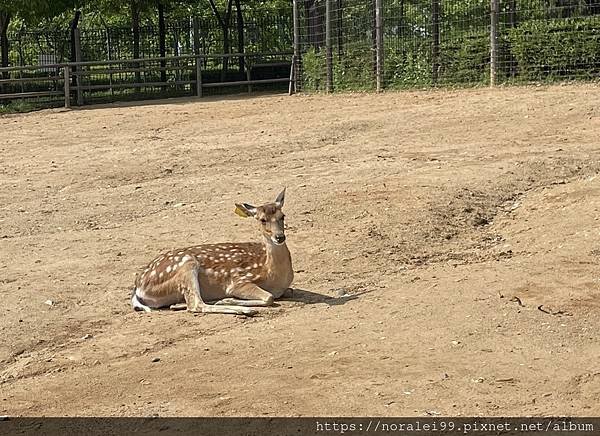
[[280, 239]]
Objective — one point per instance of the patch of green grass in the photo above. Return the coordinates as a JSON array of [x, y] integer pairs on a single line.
[[18, 106]]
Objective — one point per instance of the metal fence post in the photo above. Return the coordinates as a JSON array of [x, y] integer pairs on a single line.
[[379, 43], [328, 48], [67, 78], [494, 12]]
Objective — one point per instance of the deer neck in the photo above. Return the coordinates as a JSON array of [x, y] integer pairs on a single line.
[[279, 266]]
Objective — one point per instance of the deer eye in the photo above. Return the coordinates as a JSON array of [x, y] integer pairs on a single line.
[[263, 220]]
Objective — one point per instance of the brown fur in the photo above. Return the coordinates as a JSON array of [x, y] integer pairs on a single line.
[[231, 272]]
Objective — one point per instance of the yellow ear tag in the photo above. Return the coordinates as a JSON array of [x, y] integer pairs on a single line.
[[241, 212]]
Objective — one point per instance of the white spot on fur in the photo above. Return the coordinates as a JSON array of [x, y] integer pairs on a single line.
[[153, 273]]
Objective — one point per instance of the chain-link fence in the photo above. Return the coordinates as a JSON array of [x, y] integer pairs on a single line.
[[445, 42]]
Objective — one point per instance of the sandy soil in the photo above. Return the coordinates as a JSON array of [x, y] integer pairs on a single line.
[[445, 243]]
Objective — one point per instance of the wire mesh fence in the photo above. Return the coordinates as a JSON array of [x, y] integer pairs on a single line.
[[446, 42], [271, 31], [349, 44], [261, 38]]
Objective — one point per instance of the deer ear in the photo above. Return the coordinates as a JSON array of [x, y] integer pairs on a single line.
[[245, 210], [280, 199]]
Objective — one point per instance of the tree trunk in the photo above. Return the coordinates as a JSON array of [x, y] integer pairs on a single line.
[[240, 31], [161, 40], [135, 29], [226, 50], [4, 22], [224, 23], [73, 26]]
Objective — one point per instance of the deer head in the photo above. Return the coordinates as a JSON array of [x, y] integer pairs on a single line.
[[269, 217]]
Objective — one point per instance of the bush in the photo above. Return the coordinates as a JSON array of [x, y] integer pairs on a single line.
[[465, 59], [355, 70], [313, 70], [408, 67], [17, 106], [557, 49]]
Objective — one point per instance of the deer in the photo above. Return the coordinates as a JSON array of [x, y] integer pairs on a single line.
[[236, 277]]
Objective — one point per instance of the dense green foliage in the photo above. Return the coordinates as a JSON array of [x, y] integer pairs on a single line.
[[557, 49], [538, 41]]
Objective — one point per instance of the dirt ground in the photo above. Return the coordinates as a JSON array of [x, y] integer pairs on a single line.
[[445, 243]]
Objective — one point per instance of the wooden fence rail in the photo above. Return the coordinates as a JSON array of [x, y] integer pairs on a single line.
[[77, 77]]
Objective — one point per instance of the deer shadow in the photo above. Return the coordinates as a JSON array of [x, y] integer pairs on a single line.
[[309, 297]]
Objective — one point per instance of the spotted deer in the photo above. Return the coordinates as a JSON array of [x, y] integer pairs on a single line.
[[236, 276]]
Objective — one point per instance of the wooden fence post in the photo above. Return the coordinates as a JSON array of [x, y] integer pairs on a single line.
[[249, 76], [292, 71], [328, 48], [435, 46], [67, 78], [379, 43], [198, 76], [79, 70], [494, 12], [296, 60], [162, 48]]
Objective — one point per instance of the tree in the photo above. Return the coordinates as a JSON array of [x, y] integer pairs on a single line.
[[161, 39], [5, 17], [240, 31], [30, 11], [225, 22]]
